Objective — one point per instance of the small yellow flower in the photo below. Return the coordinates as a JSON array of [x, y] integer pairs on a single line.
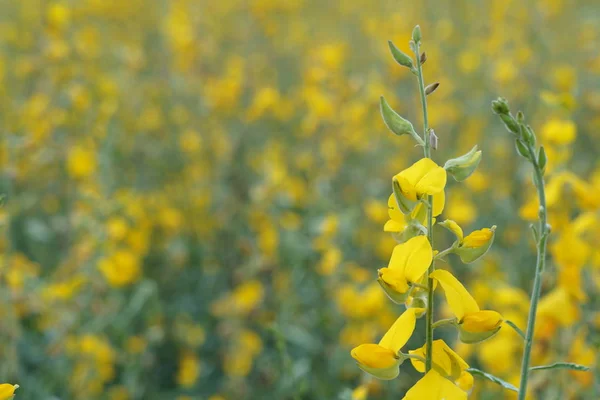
[[422, 178], [475, 325], [382, 360], [434, 386], [400, 223], [407, 265], [473, 246]]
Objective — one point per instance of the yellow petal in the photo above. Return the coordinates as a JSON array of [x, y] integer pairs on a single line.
[[400, 331], [374, 356], [454, 228], [412, 258], [458, 298], [433, 386], [7, 391], [445, 360], [393, 226], [393, 280], [439, 201], [424, 177], [478, 238], [482, 321]]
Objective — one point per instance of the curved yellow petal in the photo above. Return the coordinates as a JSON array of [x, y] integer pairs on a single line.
[[419, 255], [458, 298], [424, 177], [400, 331], [454, 228], [478, 238], [394, 280], [439, 201], [7, 391], [374, 356], [445, 359], [433, 386], [482, 321]]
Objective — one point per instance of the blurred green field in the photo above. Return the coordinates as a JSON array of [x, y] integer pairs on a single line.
[[194, 192]]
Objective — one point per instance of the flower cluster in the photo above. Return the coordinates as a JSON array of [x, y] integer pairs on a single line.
[[410, 278]]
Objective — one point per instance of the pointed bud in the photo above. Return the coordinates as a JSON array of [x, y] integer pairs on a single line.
[[395, 122], [462, 167], [542, 159], [510, 123], [416, 34], [423, 58], [479, 326], [520, 117], [400, 57], [529, 136], [433, 139], [522, 149], [431, 88], [500, 106]]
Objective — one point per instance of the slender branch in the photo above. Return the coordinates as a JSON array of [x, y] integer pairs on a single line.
[[427, 152], [539, 269], [444, 253]]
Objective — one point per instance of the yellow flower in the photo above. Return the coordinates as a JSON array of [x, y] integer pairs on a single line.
[[475, 325], [407, 265], [400, 223], [382, 360], [433, 386], [473, 246], [422, 178], [559, 132], [81, 163], [445, 361], [7, 391]]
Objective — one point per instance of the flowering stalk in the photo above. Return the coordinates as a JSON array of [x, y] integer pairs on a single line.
[[525, 143], [427, 152]]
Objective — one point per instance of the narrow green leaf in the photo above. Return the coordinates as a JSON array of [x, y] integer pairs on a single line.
[[400, 57], [542, 158], [395, 122], [515, 327], [504, 384], [561, 365]]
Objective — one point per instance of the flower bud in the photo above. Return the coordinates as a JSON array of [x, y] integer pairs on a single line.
[[542, 159], [529, 136], [395, 122], [400, 57], [431, 88], [522, 149], [475, 245], [416, 34], [510, 123], [418, 302], [423, 58], [462, 167], [378, 361], [500, 106]]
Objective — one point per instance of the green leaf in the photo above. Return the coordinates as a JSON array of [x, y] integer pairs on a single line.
[[561, 365], [515, 327], [400, 57], [395, 122], [504, 384]]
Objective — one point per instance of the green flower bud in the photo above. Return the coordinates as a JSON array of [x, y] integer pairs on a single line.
[[522, 149], [542, 159], [462, 167], [500, 106], [528, 136], [416, 34], [510, 123], [395, 122], [400, 57]]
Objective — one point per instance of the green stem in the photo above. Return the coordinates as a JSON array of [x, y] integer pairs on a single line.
[[539, 269], [445, 252], [427, 152]]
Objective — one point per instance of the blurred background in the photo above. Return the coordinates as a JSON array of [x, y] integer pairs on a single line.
[[194, 192]]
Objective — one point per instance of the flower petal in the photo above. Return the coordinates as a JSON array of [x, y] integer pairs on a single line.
[[458, 298], [400, 331]]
